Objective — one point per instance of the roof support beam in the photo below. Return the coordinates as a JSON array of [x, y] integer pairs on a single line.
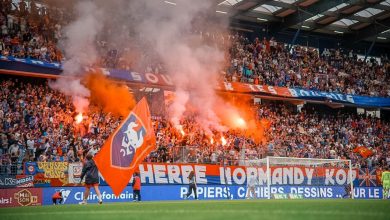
[[240, 8], [244, 10], [255, 15], [382, 7], [338, 15], [373, 30], [353, 17], [283, 5]]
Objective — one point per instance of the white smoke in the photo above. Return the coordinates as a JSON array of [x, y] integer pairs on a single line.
[[179, 105], [80, 52], [161, 30], [193, 65]]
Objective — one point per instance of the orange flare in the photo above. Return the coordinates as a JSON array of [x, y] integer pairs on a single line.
[[223, 141], [79, 118], [180, 128], [240, 122]]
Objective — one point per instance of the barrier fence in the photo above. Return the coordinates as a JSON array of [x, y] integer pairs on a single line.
[[162, 181], [11, 169], [68, 174]]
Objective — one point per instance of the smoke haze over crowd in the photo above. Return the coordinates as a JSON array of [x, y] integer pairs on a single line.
[[169, 32]]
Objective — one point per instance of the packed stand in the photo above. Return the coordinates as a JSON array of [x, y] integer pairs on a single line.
[[305, 134], [30, 30], [38, 124], [331, 135], [273, 63]]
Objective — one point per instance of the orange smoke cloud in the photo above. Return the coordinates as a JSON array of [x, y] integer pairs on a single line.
[[237, 113], [258, 130], [111, 96]]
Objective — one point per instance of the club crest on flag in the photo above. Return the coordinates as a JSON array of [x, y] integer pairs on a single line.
[[126, 141], [130, 143]]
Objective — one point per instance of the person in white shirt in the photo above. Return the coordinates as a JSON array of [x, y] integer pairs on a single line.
[[13, 149], [252, 182], [30, 146], [4, 29], [10, 20], [93, 150]]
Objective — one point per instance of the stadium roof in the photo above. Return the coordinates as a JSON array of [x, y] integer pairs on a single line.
[[355, 20]]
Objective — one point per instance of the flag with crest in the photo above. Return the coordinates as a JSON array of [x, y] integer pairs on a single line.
[[128, 146]]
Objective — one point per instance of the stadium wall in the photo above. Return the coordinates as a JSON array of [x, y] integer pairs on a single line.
[[48, 174], [169, 182], [74, 195]]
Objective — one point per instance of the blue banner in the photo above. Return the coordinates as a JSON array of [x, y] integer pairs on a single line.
[[32, 62], [368, 101], [74, 195], [16, 181], [35, 66]]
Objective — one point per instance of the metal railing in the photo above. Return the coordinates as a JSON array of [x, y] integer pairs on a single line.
[[11, 169], [195, 154]]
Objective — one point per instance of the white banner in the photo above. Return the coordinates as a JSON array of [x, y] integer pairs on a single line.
[[74, 171]]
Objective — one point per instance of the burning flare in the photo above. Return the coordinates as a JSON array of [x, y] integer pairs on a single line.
[[212, 140], [180, 128], [223, 141], [79, 118], [241, 122]]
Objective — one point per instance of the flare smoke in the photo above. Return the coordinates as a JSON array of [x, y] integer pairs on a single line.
[[170, 34], [80, 52], [193, 65]]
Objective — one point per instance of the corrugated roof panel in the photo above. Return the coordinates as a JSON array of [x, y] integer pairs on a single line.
[[267, 8], [387, 2], [315, 17], [338, 7], [230, 2], [345, 22], [369, 12], [287, 1], [271, 8]]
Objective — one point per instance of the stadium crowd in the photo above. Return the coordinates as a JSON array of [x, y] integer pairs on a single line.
[[305, 134], [29, 31], [273, 63], [38, 124]]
